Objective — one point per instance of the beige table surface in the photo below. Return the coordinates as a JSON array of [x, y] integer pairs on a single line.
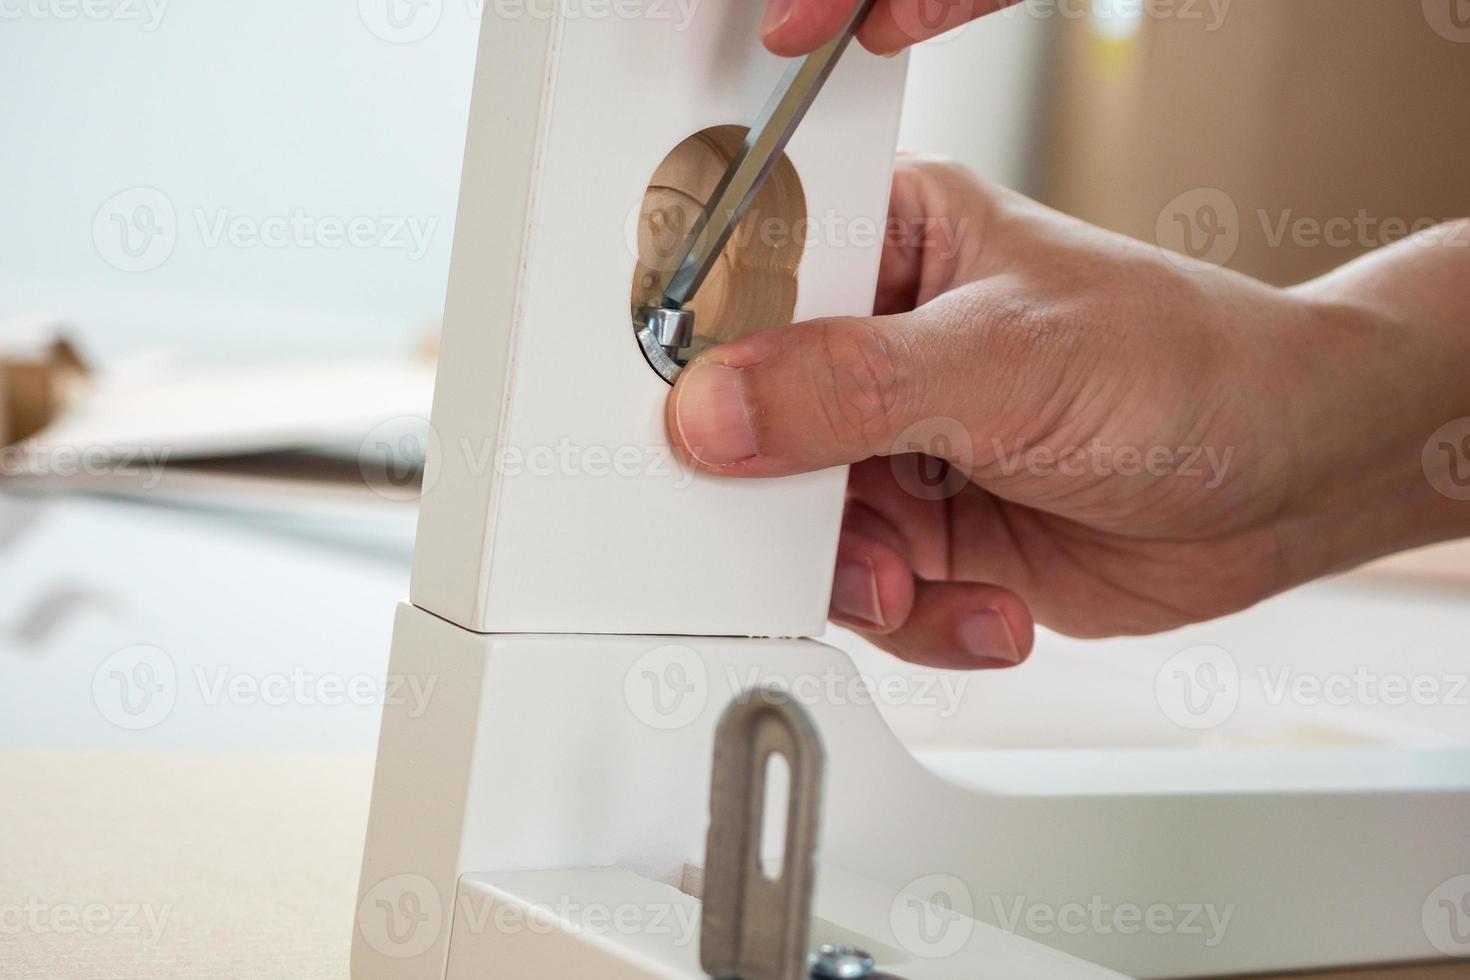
[[177, 866]]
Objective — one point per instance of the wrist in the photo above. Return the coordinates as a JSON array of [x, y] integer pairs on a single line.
[[1379, 409]]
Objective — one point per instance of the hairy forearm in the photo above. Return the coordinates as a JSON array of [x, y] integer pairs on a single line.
[[1382, 421]]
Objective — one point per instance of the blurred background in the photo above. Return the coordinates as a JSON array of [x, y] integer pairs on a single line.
[[224, 240]]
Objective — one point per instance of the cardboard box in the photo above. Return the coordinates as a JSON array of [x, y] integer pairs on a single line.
[[1279, 138]]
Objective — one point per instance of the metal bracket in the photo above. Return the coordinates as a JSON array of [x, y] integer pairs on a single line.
[[663, 333], [754, 927]]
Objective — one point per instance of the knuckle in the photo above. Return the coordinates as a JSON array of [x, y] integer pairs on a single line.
[[860, 378]]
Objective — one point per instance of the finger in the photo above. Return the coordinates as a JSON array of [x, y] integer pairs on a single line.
[[831, 392], [872, 586], [867, 522], [797, 27], [937, 211], [961, 626], [895, 24], [880, 507]]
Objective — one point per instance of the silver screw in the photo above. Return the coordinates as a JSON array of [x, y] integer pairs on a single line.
[[840, 963]]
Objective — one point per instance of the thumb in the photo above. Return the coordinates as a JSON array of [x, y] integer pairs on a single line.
[[812, 395]]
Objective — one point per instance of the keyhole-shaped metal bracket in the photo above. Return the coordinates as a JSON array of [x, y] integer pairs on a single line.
[[756, 927]]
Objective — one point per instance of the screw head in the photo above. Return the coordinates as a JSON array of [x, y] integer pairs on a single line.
[[840, 963]]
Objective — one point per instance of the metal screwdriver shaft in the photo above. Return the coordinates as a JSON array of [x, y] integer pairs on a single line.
[[757, 158]]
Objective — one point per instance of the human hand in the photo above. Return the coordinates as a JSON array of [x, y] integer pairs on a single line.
[[1132, 443], [796, 27]]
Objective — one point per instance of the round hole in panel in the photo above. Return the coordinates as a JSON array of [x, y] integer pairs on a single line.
[[753, 285]]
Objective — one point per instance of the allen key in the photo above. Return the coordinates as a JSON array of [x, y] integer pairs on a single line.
[[667, 327]]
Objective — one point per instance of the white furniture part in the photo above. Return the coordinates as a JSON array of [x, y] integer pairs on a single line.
[[539, 371], [544, 813]]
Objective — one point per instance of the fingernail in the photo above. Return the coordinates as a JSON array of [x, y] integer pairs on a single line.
[[855, 596], [778, 12], [713, 421], [987, 636]]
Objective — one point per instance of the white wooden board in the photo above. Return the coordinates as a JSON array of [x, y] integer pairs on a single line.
[[552, 501]]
